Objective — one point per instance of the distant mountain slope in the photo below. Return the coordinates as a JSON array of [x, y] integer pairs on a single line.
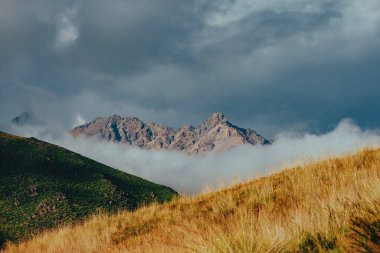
[[26, 118], [216, 133], [43, 185], [326, 206]]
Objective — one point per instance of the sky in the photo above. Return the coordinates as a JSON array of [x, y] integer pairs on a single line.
[[271, 65]]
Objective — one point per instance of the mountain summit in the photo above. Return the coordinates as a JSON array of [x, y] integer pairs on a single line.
[[216, 133]]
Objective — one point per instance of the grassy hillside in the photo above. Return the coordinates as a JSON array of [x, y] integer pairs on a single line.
[[43, 186], [327, 206]]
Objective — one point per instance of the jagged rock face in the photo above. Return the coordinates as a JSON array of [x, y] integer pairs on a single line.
[[216, 133]]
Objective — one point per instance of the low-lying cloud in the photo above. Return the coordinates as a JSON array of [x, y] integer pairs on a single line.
[[191, 174], [67, 32]]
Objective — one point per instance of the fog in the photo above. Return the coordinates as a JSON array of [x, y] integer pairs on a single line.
[[191, 174]]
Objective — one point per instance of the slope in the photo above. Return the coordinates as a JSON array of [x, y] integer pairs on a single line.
[[327, 206], [43, 186]]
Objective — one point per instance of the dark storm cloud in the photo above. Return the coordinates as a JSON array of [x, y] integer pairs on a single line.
[[271, 65]]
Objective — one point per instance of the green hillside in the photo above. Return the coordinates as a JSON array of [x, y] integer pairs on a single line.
[[44, 185]]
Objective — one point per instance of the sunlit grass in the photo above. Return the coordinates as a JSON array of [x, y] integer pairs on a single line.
[[327, 206]]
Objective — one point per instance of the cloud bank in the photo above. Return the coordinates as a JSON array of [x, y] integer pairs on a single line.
[[190, 174]]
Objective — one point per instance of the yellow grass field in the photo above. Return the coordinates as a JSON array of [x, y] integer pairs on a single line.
[[327, 206]]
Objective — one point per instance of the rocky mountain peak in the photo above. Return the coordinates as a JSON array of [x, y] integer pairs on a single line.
[[215, 133], [218, 116], [215, 119]]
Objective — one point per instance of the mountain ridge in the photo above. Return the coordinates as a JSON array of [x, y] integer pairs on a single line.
[[215, 134]]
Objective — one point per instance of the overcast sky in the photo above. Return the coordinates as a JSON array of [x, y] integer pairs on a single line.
[[272, 65]]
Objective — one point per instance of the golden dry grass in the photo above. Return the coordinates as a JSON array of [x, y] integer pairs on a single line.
[[327, 206]]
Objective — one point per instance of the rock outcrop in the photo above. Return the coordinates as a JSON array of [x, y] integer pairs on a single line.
[[216, 133]]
